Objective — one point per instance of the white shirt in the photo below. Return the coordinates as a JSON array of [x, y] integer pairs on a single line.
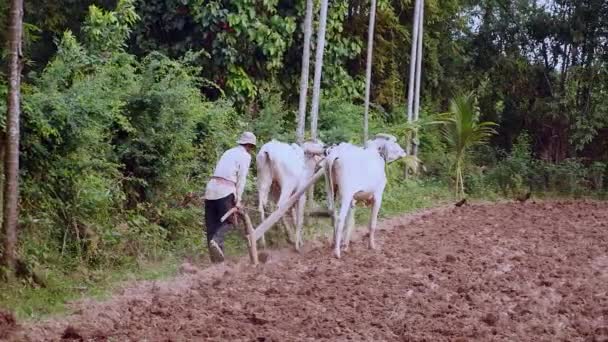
[[232, 168]]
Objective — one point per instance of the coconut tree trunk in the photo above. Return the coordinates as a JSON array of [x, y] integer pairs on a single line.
[[418, 74], [316, 91], [368, 69], [307, 25], [11, 161], [413, 54], [411, 84]]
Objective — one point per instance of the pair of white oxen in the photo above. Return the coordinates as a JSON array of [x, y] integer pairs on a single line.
[[355, 173]]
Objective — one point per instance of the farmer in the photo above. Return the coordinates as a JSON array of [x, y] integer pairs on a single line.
[[224, 191]]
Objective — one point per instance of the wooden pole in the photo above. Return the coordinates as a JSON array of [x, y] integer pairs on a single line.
[[279, 213], [251, 241], [252, 245]]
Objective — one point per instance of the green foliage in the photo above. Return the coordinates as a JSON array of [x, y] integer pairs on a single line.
[[514, 174], [111, 146], [518, 172], [108, 31], [272, 121], [341, 121], [248, 38], [155, 146]]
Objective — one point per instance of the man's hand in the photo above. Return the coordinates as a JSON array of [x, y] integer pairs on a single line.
[[235, 216], [236, 200]]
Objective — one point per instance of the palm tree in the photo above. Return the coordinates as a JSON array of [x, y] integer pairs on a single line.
[[316, 86], [368, 69], [307, 26], [462, 130]]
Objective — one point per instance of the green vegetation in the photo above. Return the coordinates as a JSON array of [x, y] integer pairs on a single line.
[[127, 106], [462, 131]]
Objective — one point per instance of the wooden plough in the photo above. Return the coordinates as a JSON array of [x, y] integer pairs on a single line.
[[253, 235]]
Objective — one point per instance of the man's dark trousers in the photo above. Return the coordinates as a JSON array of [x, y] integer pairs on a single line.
[[214, 210]]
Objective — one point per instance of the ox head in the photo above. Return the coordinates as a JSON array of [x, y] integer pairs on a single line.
[[329, 149], [314, 152], [311, 147], [390, 151]]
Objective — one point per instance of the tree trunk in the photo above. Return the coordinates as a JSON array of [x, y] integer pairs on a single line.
[[418, 74], [316, 91], [368, 70], [11, 161], [410, 89], [307, 25], [413, 54]]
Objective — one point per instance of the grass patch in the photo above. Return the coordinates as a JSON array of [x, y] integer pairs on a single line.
[[27, 301]]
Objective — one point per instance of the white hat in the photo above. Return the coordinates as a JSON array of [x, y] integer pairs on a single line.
[[247, 138]]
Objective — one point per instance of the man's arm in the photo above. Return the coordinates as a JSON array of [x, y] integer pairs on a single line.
[[242, 178]]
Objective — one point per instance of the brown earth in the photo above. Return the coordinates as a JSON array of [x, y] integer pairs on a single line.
[[507, 272], [7, 324]]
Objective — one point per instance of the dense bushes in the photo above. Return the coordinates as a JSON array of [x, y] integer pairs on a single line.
[[111, 146], [518, 172]]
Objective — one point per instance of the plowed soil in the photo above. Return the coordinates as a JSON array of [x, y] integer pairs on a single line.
[[506, 272]]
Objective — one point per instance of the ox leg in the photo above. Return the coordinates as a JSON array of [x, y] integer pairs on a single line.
[[287, 230], [263, 191], [331, 200], [344, 209], [330, 193], [350, 223], [264, 181], [283, 198], [299, 221], [373, 221]]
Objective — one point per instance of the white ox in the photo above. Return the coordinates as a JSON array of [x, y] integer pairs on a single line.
[[282, 170], [358, 174]]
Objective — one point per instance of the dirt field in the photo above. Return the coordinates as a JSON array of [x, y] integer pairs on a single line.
[[508, 272]]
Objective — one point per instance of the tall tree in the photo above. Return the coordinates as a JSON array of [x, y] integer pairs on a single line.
[[418, 74], [305, 71], [368, 68], [413, 65], [316, 91], [11, 161]]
